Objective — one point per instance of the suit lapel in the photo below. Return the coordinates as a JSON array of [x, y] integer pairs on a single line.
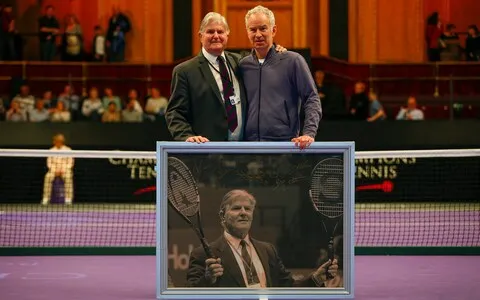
[[207, 74], [230, 265], [263, 255], [231, 62]]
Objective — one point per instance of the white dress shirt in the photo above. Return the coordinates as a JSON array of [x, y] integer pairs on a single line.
[[237, 252], [100, 45], [212, 59]]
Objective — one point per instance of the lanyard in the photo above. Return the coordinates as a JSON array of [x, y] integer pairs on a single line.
[[227, 65], [251, 266]]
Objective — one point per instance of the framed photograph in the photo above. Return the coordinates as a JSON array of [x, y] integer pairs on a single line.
[[255, 220]]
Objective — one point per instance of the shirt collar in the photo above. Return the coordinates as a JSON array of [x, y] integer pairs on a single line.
[[270, 52], [234, 241], [212, 58]]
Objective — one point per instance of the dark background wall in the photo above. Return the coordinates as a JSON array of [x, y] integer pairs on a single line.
[[338, 29], [182, 29], [388, 135]]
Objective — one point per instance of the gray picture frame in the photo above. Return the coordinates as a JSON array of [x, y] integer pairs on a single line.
[[165, 149]]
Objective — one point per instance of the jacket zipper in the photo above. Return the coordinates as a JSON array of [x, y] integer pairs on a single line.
[[259, 98]]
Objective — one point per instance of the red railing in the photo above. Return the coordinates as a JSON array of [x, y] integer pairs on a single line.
[[41, 76], [403, 79]]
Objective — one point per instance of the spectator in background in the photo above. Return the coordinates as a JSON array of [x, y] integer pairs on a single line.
[[7, 34], [450, 44], [109, 98], [92, 108], [156, 105], [133, 97], [71, 101], [49, 28], [48, 101], [376, 111], [39, 113], [98, 45], [119, 25], [433, 33], [130, 114], [359, 102], [25, 99], [15, 113], [72, 41], [411, 112], [60, 113], [472, 44], [111, 115], [59, 167]]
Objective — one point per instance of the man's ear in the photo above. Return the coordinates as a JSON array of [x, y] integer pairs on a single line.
[[221, 214], [274, 30]]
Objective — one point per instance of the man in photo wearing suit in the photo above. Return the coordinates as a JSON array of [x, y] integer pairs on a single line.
[[207, 101], [240, 260]]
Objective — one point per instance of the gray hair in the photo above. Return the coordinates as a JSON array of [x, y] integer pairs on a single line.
[[232, 195], [261, 10], [213, 17]]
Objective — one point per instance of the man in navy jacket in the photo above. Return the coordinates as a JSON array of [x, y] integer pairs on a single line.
[[277, 86]]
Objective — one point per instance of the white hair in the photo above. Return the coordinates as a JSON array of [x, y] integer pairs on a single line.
[[213, 17], [261, 10], [232, 195]]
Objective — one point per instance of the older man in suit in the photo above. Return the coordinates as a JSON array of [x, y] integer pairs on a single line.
[[207, 101], [241, 261]]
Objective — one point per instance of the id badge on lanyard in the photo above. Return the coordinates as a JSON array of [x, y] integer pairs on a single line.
[[233, 100]]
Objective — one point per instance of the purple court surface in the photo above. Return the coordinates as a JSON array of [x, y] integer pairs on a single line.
[[133, 277]]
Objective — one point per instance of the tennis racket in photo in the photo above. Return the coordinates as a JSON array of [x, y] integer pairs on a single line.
[[184, 198], [326, 194]]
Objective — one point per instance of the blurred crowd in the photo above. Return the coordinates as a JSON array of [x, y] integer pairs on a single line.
[[444, 42], [65, 39], [106, 106], [98, 106]]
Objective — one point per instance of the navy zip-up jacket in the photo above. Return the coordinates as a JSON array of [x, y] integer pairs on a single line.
[[276, 90]]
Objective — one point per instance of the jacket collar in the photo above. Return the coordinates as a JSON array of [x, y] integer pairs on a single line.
[[272, 52]]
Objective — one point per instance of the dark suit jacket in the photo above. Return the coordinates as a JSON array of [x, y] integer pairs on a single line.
[[276, 273], [196, 106]]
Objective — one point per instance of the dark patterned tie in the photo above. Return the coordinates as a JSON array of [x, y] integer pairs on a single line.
[[227, 94], [252, 276]]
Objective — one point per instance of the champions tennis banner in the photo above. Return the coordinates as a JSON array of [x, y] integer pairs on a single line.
[[378, 180]]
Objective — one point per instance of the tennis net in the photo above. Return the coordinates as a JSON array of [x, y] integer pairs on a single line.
[[403, 199]]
